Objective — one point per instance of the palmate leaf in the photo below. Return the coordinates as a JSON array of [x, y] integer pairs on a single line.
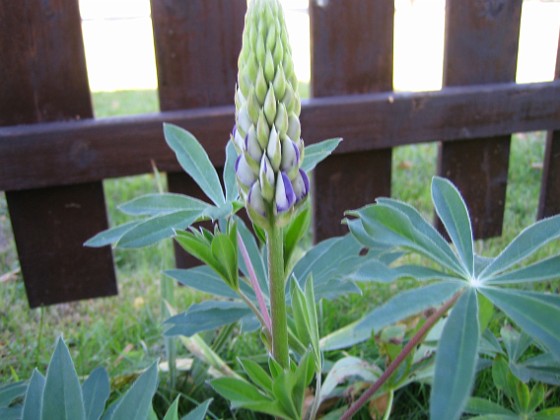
[[393, 228], [452, 211], [205, 316], [456, 359], [316, 153], [137, 401], [96, 389], [33, 403], [194, 160], [230, 182], [157, 204], [199, 413], [62, 395], [402, 306], [112, 235], [537, 314], [155, 229], [525, 244]]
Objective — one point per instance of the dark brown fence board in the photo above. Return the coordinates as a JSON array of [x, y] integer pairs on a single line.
[[42, 57], [88, 150], [481, 47], [351, 53], [50, 226], [549, 203], [197, 45]]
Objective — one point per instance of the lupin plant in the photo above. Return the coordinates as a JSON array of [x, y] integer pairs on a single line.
[[267, 137], [265, 167]]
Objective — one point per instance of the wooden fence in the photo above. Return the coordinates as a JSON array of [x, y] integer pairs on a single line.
[[54, 155]]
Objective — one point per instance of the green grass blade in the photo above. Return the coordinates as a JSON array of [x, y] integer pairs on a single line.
[[452, 211], [195, 161], [525, 244], [137, 401], [537, 314], [62, 396], [96, 391], [157, 204], [33, 403], [316, 153], [456, 360]]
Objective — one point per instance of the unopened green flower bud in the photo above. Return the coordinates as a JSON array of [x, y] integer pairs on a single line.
[[278, 54], [270, 105], [252, 145], [266, 178], [294, 127], [269, 67], [263, 130], [271, 38], [261, 87], [281, 122], [274, 149], [253, 106], [279, 84]]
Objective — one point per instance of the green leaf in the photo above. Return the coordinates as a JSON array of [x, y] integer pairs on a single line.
[[33, 403], [295, 231], [230, 181], [453, 212], [62, 396], [255, 256], [136, 403], [10, 413], [157, 228], [548, 269], [305, 318], [206, 316], [173, 411], [204, 279], [525, 244], [537, 314], [258, 375], [199, 413], [10, 392], [345, 368], [503, 378], [112, 235], [157, 204], [543, 368], [485, 312], [194, 160], [244, 395], [402, 306], [96, 390], [547, 414], [394, 228], [225, 253], [423, 227], [480, 406], [456, 360], [316, 153]]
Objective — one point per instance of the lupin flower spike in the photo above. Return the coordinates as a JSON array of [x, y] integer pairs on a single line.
[[267, 132]]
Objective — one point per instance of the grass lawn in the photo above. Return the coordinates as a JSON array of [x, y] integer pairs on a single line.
[[124, 333]]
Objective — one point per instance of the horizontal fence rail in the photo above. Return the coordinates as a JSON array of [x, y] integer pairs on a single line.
[[71, 152]]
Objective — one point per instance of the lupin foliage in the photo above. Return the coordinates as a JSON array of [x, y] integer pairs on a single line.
[[267, 133]]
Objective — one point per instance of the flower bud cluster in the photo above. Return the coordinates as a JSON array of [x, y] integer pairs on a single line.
[[267, 133]]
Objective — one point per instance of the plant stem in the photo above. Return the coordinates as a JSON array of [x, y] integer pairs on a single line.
[[275, 242], [411, 345]]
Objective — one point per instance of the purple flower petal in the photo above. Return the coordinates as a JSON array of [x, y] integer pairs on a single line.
[[285, 195], [244, 173], [301, 185]]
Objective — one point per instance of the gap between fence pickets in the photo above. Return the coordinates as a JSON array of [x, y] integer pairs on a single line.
[[92, 150]]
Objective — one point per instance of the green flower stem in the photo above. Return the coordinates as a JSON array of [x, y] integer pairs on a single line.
[[411, 345], [277, 286]]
